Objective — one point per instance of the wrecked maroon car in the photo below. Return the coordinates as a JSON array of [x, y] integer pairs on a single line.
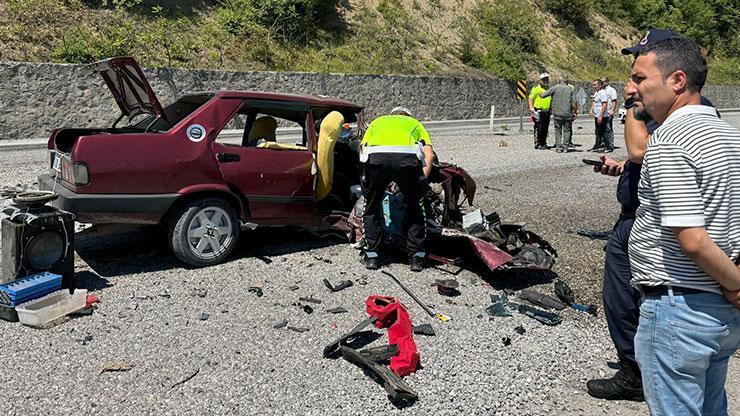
[[213, 163], [205, 166]]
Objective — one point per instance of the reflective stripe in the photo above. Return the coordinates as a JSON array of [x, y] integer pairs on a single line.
[[390, 149]]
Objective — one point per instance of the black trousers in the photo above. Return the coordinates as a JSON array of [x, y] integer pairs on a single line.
[[600, 130], [406, 171], [621, 301], [541, 128]]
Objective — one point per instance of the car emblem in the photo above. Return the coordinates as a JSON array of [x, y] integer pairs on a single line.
[[196, 133], [645, 39]]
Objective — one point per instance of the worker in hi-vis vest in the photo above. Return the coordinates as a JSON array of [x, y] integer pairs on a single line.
[[395, 148]]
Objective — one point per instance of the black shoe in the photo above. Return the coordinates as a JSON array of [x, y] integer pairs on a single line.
[[371, 263], [416, 263], [622, 386], [608, 150]]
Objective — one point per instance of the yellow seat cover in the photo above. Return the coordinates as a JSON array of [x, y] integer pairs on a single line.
[[328, 136]]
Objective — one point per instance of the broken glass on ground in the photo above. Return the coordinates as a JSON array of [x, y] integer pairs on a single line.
[[545, 317], [499, 305]]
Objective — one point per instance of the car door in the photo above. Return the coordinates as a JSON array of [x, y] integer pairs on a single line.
[[278, 184]]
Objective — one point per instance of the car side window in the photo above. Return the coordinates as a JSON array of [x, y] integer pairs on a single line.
[[231, 134]]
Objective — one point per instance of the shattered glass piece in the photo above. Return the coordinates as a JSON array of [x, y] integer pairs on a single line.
[[499, 305], [547, 318]]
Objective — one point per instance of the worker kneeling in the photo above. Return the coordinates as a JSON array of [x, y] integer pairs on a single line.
[[395, 148]]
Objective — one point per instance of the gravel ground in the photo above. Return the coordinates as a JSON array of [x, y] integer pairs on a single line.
[[199, 342]]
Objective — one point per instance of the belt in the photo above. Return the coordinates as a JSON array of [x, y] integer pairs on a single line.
[[662, 290], [541, 109]]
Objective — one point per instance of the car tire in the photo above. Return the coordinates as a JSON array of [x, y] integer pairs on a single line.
[[204, 232]]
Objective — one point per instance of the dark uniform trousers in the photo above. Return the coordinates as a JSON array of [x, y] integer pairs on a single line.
[[621, 300], [541, 128], [406, 171]]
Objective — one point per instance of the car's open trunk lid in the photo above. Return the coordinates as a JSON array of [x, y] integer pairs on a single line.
[[129, 86]]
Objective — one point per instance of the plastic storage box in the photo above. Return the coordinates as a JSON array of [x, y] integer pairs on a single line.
[[41, 311]]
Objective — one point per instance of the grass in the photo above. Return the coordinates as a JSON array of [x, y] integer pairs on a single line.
[[371, 37]]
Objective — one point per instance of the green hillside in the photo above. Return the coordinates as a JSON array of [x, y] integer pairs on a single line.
[[505, 38]]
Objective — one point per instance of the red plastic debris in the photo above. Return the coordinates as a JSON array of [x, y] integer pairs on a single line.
[[392, 314], [89, 300]]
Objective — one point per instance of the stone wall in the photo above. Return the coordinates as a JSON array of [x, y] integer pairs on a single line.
[[35, 98]]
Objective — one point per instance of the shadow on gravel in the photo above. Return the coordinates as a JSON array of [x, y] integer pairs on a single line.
[[265, 242], [120, 251], [90, 281]]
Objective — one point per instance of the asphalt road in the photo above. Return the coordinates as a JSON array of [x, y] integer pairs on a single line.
[[231, 360]]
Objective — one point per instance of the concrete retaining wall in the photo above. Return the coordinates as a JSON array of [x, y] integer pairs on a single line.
[[34, 98]]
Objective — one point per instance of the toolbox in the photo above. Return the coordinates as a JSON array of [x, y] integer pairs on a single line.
[[18, 291]]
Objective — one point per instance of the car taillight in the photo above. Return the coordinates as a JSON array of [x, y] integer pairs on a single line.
[[74, 172]]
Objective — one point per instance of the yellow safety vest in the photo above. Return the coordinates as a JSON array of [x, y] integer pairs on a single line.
[[395, 134], [540, 103]]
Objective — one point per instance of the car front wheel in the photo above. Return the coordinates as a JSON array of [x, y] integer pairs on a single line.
[[204, 232]]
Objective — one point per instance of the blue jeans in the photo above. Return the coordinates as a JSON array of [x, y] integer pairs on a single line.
[[683, 345]]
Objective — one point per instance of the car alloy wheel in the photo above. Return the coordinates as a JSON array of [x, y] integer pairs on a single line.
[[204, 232], [210, 233]]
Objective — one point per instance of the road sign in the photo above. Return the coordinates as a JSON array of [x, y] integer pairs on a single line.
[[521, 89]]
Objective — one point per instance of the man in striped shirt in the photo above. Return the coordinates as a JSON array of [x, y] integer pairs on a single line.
[[686, 237]]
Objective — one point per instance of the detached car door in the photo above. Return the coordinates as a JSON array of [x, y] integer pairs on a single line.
[[278, 184]]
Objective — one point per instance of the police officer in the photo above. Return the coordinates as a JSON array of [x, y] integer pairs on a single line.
[[395, 148], [540, 109]]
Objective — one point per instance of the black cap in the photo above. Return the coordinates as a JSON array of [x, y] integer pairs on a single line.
[[652, 37]]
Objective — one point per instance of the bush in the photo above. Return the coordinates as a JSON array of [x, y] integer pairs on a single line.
[[570, 11], [510, 37], [290, 20]]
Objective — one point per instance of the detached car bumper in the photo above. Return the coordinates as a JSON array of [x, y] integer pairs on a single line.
[[109, 208]]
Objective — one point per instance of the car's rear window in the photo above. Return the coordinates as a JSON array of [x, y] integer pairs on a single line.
[[174, 113]]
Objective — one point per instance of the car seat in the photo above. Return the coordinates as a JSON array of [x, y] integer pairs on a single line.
[[328, 136], [263, 129]]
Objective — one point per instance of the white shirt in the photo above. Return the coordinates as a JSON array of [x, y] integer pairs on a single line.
[[600, 97], [612, 93], [690, 178]]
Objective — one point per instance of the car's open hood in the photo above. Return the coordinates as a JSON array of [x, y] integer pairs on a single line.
[[129, 86]]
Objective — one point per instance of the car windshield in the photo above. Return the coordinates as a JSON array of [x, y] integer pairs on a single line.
[[174, 113]]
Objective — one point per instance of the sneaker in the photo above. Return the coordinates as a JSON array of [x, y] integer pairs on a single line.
[[608, 150], [370, 261], [623, 386], [571, 145], [559, 150], [416, 263]]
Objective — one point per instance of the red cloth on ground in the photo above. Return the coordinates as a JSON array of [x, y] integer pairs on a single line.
[[391, 314]]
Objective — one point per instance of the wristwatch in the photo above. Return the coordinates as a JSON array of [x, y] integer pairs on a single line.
[[629, 103]]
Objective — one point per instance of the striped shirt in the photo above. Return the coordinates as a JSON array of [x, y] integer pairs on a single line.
[[690, 178]]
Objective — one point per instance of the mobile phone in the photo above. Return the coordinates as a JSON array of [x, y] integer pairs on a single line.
[[597, 163]]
